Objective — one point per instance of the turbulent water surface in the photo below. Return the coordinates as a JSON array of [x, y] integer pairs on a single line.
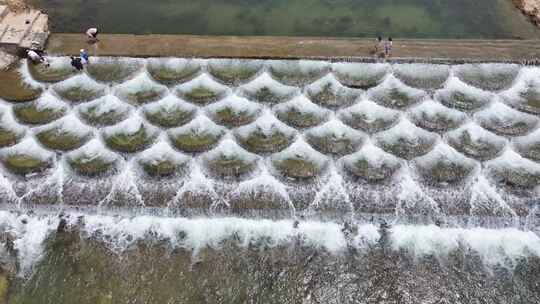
[[364, 18], [171, 180]]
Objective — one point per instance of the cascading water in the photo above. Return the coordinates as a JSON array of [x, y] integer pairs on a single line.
[[272, 182]]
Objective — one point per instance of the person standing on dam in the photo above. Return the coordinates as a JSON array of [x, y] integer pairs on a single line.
[[92, 34], [388, 47]]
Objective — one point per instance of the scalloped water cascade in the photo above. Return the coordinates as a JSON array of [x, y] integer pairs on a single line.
[[169, 112], [266, 135], [299, 161], [529, 145], [301, 132], [234, 71], [360, 75], [200, 135], [369, 116], [298, 73], [113, 69], [45, 109], [201, 90], [300, 112], [129, 136], [329, 92], [265, 89], [197, 193], [229, 160], [26, 157], [476, 142], [443, 165], [512, 170], [140, 90], [105, 111], [459, 95], [394, 94], [485, 201], [65, 134], [161, 160], [488, 76], [233, 111], [59, 69], [335, 138], [413, 204], [525, 94], [435, 117], [406, 140], [264, 192], [173, 71], [92, 159], [423, 76], [372, 164], [79, 88], [332, 198], [503, 120]]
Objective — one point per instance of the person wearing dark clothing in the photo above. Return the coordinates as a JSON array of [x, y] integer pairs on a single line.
[[76, 62], [388, 47]]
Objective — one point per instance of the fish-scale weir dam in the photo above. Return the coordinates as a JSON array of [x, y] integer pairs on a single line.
[[345, 182]]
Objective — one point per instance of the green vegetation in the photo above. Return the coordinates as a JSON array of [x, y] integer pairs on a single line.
[[408, 149], [59, 139], [363, 122], [330, 144], [293, 75], [9, 137], [144, 95], [267, 95], [395, 98], [444, 172], [463, 102], [130, 143], [24, 164], [330, 97], [30, 114], [479, 149]]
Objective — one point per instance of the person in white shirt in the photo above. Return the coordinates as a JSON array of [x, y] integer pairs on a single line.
[[92, 34], [36, 58]]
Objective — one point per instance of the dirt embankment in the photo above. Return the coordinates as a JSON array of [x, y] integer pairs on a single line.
[[531, 8]]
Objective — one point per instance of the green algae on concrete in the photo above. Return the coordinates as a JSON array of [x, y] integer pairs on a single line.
[[259, 142], [51, 74], [445, 172], [109, 69], [230, 166], [230, 117], [24, 164], [331, 144], [373, 173], [194, 142], [93, 116], [298, 73], [171, 74], [362, 121], [395, 97], [478, 149], [298, 168], [201, 95], [79, 93], [487, 76], [517, 178], [59, 139], [408, 149], [31, 113], [329, 96], [299, 119], [14, 89], [440, 122], [161, 168], [145, 95], [91, 166], [463, 101], [267, 94], [170, 118], [9, 137], [130, 143], [234, 72]]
